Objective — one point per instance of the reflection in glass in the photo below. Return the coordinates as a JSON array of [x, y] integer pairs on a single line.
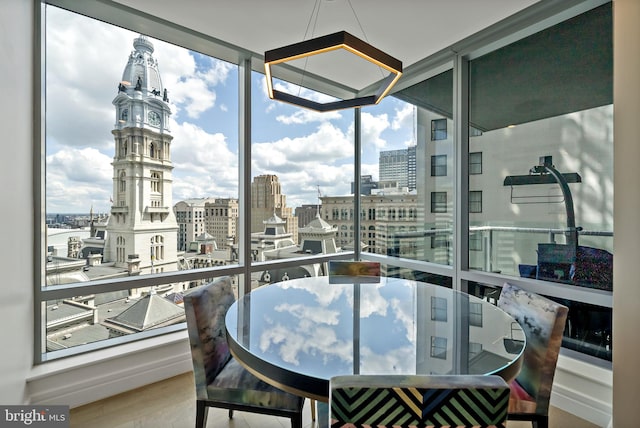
[[547, 179], [588, 329], [318, 329], [91, 318], [125, 194], [417, 223]]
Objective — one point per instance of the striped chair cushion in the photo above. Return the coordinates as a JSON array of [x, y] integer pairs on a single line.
[[418, 401]]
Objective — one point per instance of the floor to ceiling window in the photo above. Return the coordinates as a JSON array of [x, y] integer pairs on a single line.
[[302, 171], [433, 135], [143, 163], [543, 165], [141, 178]]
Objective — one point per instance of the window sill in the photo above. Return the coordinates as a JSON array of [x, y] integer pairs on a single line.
[[84, 378]]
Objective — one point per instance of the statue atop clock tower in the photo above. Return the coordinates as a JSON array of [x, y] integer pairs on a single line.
[[142, 224]]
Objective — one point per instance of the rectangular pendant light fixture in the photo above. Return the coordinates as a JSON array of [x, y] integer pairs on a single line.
[[328, 43]]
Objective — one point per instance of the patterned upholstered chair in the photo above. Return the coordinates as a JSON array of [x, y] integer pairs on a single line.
[[418, 401], [543, 322], [220, 380]]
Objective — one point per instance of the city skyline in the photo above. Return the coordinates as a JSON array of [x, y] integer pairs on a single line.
[[305, 149]]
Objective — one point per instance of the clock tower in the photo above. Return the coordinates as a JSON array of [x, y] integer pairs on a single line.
[[142, 225]]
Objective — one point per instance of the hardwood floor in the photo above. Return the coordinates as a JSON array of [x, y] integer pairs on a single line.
[[171, 404]]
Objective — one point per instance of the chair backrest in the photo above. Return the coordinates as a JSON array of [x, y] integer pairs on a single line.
[[543, 322], [426, 401], [353, 268], [205, 308]]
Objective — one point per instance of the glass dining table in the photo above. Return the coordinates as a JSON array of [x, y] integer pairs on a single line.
[[297, 334]]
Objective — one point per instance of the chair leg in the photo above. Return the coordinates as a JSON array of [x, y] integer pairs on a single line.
[[230, 413], [540, 422], [201, 414], [313, 410]]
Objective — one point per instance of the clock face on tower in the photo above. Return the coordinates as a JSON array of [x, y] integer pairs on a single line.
[[154, 118]]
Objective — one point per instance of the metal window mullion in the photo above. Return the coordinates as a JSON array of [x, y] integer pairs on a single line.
[[39, 223], [460, 346], [461, 176], [357, 158], [244, 173]]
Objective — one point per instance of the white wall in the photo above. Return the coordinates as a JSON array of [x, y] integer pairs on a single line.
[[16, 259], [626, 289]]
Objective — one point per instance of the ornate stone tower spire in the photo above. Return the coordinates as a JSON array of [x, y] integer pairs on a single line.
[[142, 223]]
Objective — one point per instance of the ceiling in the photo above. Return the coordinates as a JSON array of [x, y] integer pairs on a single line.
[[408, 30]]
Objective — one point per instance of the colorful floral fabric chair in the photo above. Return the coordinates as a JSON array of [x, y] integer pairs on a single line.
[[543, 322], [220, 380], [398, 401]]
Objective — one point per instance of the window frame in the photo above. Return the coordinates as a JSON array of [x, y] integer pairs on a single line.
[[439, 309], [440, 206], [438, 348], [438, 165], [475, 166], [475, 201], [438, 131], [501, 34]]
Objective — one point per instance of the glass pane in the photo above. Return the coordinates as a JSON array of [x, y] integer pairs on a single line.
[[141, 153], [96, 317], [302, 169], [546, 144], [588, 327], [81, 320], [409, 143]]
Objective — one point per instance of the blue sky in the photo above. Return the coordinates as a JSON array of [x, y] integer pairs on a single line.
[[306, 149]]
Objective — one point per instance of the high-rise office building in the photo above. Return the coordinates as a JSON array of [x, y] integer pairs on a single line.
[[191, 218], [399, 166], [266, 200], [221, 219]]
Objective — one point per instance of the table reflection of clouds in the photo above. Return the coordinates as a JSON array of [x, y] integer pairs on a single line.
[[323, 296], [308, 326], [313, 323], [371, 301], [310, 330], [311, 314], [404, 313], [393, 361]]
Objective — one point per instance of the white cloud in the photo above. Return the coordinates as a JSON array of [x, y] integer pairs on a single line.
[[85, 61], [327, 143], [82, 77], [206, 164], [190, 86], [78, 178], [403, 118], [372, 128], [307, 116], [323, 158]]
